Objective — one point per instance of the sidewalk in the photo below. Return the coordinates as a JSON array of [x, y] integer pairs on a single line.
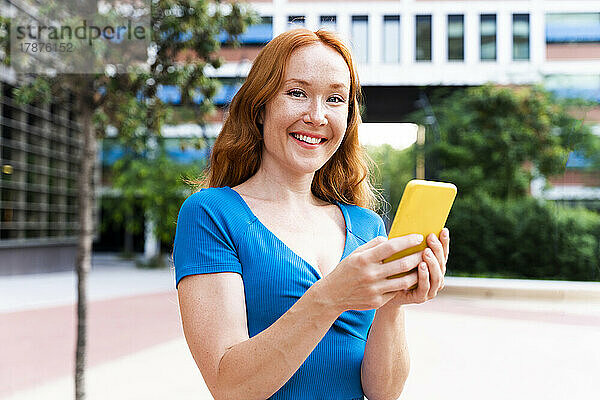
[[477, 339], [135, 342]]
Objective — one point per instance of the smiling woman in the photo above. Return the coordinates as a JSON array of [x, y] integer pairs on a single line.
[[242, 136], [282, 289], [305, 121]]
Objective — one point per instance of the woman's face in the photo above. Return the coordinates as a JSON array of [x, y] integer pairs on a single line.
[[305, 122]]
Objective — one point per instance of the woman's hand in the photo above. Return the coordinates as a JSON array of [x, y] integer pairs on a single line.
[[360, 281], [431, 272]]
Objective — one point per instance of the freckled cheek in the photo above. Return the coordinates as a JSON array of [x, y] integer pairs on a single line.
[[286, 114], [340, 124]]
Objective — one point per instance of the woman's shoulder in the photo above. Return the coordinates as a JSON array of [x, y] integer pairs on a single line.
[[364, 223], [218, 202], [207, 195], [361, 212]]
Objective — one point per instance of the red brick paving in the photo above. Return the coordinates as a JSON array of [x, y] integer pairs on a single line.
[[39, 345]]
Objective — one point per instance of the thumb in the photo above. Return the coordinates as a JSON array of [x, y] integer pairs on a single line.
[[370, 244]]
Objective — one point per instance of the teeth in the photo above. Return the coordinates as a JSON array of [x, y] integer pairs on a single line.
[[307, 139]]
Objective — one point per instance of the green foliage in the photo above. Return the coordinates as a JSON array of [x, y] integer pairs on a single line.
[[37, 91], [491, 137], [185, 45], [523, 238], [156, 183], [492, 142], [394, 169], [4, 41]]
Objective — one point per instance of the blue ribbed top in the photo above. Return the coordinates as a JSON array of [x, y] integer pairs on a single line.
[[217, 232]]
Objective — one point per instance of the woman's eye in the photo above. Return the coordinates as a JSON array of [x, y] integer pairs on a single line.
[[295, 93], [336, 99]]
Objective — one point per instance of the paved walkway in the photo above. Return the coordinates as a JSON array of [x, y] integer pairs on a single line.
[[462, 347]]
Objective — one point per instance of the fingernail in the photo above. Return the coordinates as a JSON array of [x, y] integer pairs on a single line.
[[444, 233], [419, 239], [423, 267]]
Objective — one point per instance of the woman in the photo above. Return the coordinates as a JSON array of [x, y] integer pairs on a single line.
[[282, 291]]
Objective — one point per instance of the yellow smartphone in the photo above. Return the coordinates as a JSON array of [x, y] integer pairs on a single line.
[[424, 209]]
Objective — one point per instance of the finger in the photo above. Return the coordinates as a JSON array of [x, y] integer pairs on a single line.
[[402, 265], [445, 239], [438, 250], [435, 272], [423, 286], [370, 244], [403, 283], [393, 246]]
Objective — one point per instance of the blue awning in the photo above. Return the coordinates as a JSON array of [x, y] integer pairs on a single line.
[[255, 34], [578, 160], [577, 93], [168, 94], [172, 95], [188, 156], [557, 33], [112, 152]]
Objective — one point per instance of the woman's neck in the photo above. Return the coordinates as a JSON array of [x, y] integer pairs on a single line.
[[274, 184]]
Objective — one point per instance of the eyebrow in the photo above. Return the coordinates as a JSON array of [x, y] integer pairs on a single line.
[[300, 81]]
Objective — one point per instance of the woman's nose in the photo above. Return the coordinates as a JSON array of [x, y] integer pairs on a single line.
[[315, 115]]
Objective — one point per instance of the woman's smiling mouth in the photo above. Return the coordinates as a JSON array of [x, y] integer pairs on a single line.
[[305, 139]]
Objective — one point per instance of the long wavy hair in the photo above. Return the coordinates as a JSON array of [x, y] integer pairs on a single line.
[[237, 151]]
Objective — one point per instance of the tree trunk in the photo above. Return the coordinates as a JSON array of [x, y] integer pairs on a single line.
[[128, 244], [84, 248]]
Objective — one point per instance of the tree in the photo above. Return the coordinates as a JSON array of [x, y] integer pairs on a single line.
[[184, 41], [496, 139], [491, 141], [152, 181], [4, 40], [394, 169]]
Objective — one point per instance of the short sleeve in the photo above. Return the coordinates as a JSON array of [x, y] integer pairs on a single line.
[[382, 231], [202, 242]]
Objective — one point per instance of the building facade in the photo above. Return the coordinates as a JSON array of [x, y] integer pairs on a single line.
[[40, 147], [454, 43]]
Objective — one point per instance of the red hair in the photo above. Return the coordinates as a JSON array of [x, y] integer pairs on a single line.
[[236, 155]]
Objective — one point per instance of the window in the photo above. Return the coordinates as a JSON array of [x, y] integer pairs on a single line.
[[360, 38], [423, 38], [38, 195], [391, 38], [296, 21], [456, 37], [520, 36], [328, 22], [573, 27], [487, 31]]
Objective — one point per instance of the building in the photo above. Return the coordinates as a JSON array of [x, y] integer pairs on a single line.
[[413, 43], [40, 148]]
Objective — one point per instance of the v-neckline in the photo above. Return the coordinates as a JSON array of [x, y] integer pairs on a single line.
[[314, 268]]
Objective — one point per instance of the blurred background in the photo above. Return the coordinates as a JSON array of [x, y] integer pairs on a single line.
[[500, 98]]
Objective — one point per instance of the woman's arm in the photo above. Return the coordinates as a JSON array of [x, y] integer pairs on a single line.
[[236, 367], [386, 362]]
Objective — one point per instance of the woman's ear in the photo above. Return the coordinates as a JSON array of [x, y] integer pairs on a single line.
[[261, 116]]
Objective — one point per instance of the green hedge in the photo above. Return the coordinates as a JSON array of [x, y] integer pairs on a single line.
[[523, 238]]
